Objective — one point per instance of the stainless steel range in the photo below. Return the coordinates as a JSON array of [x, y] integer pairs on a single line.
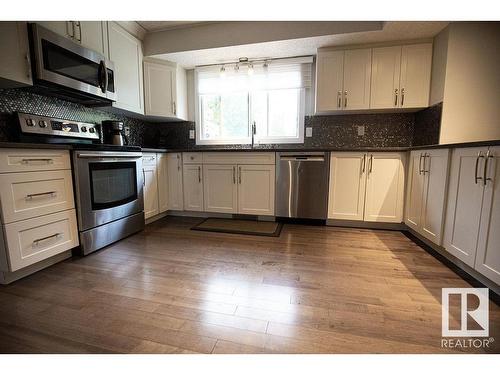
[[109, 196], [108, 179]]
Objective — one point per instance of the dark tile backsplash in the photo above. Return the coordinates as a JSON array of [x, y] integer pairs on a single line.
[[336, 131]]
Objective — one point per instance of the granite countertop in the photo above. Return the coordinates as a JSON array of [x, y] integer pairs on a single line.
[[256, 149]]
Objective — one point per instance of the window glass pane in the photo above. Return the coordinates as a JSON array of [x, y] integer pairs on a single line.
[[224, 116], [259, 112], [283, 113]]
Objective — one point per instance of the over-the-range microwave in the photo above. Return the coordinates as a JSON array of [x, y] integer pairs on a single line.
[[67, 70]]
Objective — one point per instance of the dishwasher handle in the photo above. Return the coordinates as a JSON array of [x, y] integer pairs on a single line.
[[302, 158]]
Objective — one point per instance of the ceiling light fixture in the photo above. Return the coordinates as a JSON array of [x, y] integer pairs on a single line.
[[236, 68], [222, 71], [250, 69]]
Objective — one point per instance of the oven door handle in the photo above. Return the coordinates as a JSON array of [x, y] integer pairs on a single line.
[[129, 155]]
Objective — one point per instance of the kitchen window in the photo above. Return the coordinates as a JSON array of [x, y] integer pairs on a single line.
[[272, 94]]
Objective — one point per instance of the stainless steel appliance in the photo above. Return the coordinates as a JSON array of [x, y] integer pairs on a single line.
[[67, 70], [113, 132], [302, 184], [109, 196]]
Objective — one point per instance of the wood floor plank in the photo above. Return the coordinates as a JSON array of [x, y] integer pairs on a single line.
[[168, 289]]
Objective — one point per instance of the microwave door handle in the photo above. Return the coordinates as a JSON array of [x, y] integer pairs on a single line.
[[103, 76]]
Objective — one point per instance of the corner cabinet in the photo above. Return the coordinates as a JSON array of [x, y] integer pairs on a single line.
[[125, 51], [473, 212], [368, 187], [426, 193], [165, 89]]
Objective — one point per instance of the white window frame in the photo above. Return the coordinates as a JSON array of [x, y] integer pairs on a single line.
[[305, 97]]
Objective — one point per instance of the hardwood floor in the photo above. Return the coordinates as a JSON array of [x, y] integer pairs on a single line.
[[172, 290]]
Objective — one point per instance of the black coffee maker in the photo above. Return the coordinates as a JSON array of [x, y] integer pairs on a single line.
[[113, 133]]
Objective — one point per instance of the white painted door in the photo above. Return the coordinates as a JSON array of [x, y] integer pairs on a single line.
[[63, 28], [385, 188], [175, 187], [151, 207], [220, 188], [329, 80], [357, 76], [159, 88], [415, 191], [465, 196], [415, 81], [346, 198], [435, 170], [193, 187], [93, 35], [386, 68], [162, 168], [126, 52], [256, 189], [488, 251]]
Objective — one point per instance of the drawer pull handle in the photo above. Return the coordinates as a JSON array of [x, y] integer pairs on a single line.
[[27, 161], [31, 196], [37, 242]]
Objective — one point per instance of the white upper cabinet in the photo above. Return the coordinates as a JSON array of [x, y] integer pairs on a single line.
[[416, 60], [93, 35], [329, 80], [165, 89], [488, 250], [343, 80], [357, 74], [426, 192], [401, 76], [15, 69], [386, 68], [90, 34], [465, 197], [193, 187], [385, 187], [347, 186], [125, 51]]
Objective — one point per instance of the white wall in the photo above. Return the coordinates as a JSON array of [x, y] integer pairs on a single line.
[[438, 75], [471, 101]]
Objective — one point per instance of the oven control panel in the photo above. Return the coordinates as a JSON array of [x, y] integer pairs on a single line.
[[48, 126]]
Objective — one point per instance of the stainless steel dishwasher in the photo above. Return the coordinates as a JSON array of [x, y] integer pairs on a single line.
[[302, 184]]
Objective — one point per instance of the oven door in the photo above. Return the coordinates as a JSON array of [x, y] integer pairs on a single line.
[[109, 186], [60, 61]]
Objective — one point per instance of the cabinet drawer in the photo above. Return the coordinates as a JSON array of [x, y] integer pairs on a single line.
[[31, 241], [149, 159], [192, 157], [31, 194], [26, 160], [232, 157]]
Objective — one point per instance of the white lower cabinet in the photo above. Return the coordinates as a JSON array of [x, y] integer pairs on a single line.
[[473, 213], [488, 249], [367, 187], [193, 187], [175, 185], [162, 182], [33, 240], [347, 186], [151, 205], [426, 192], [220, 188], [256, 189]]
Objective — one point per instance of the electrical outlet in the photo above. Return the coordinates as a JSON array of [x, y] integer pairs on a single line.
[[361, 130], [191, 134], [126, 130], [309, 132]]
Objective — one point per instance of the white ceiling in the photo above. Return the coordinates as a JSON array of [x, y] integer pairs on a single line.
[[392, 31]]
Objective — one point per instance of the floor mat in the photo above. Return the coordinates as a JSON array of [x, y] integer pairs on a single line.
[[238, 226]]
